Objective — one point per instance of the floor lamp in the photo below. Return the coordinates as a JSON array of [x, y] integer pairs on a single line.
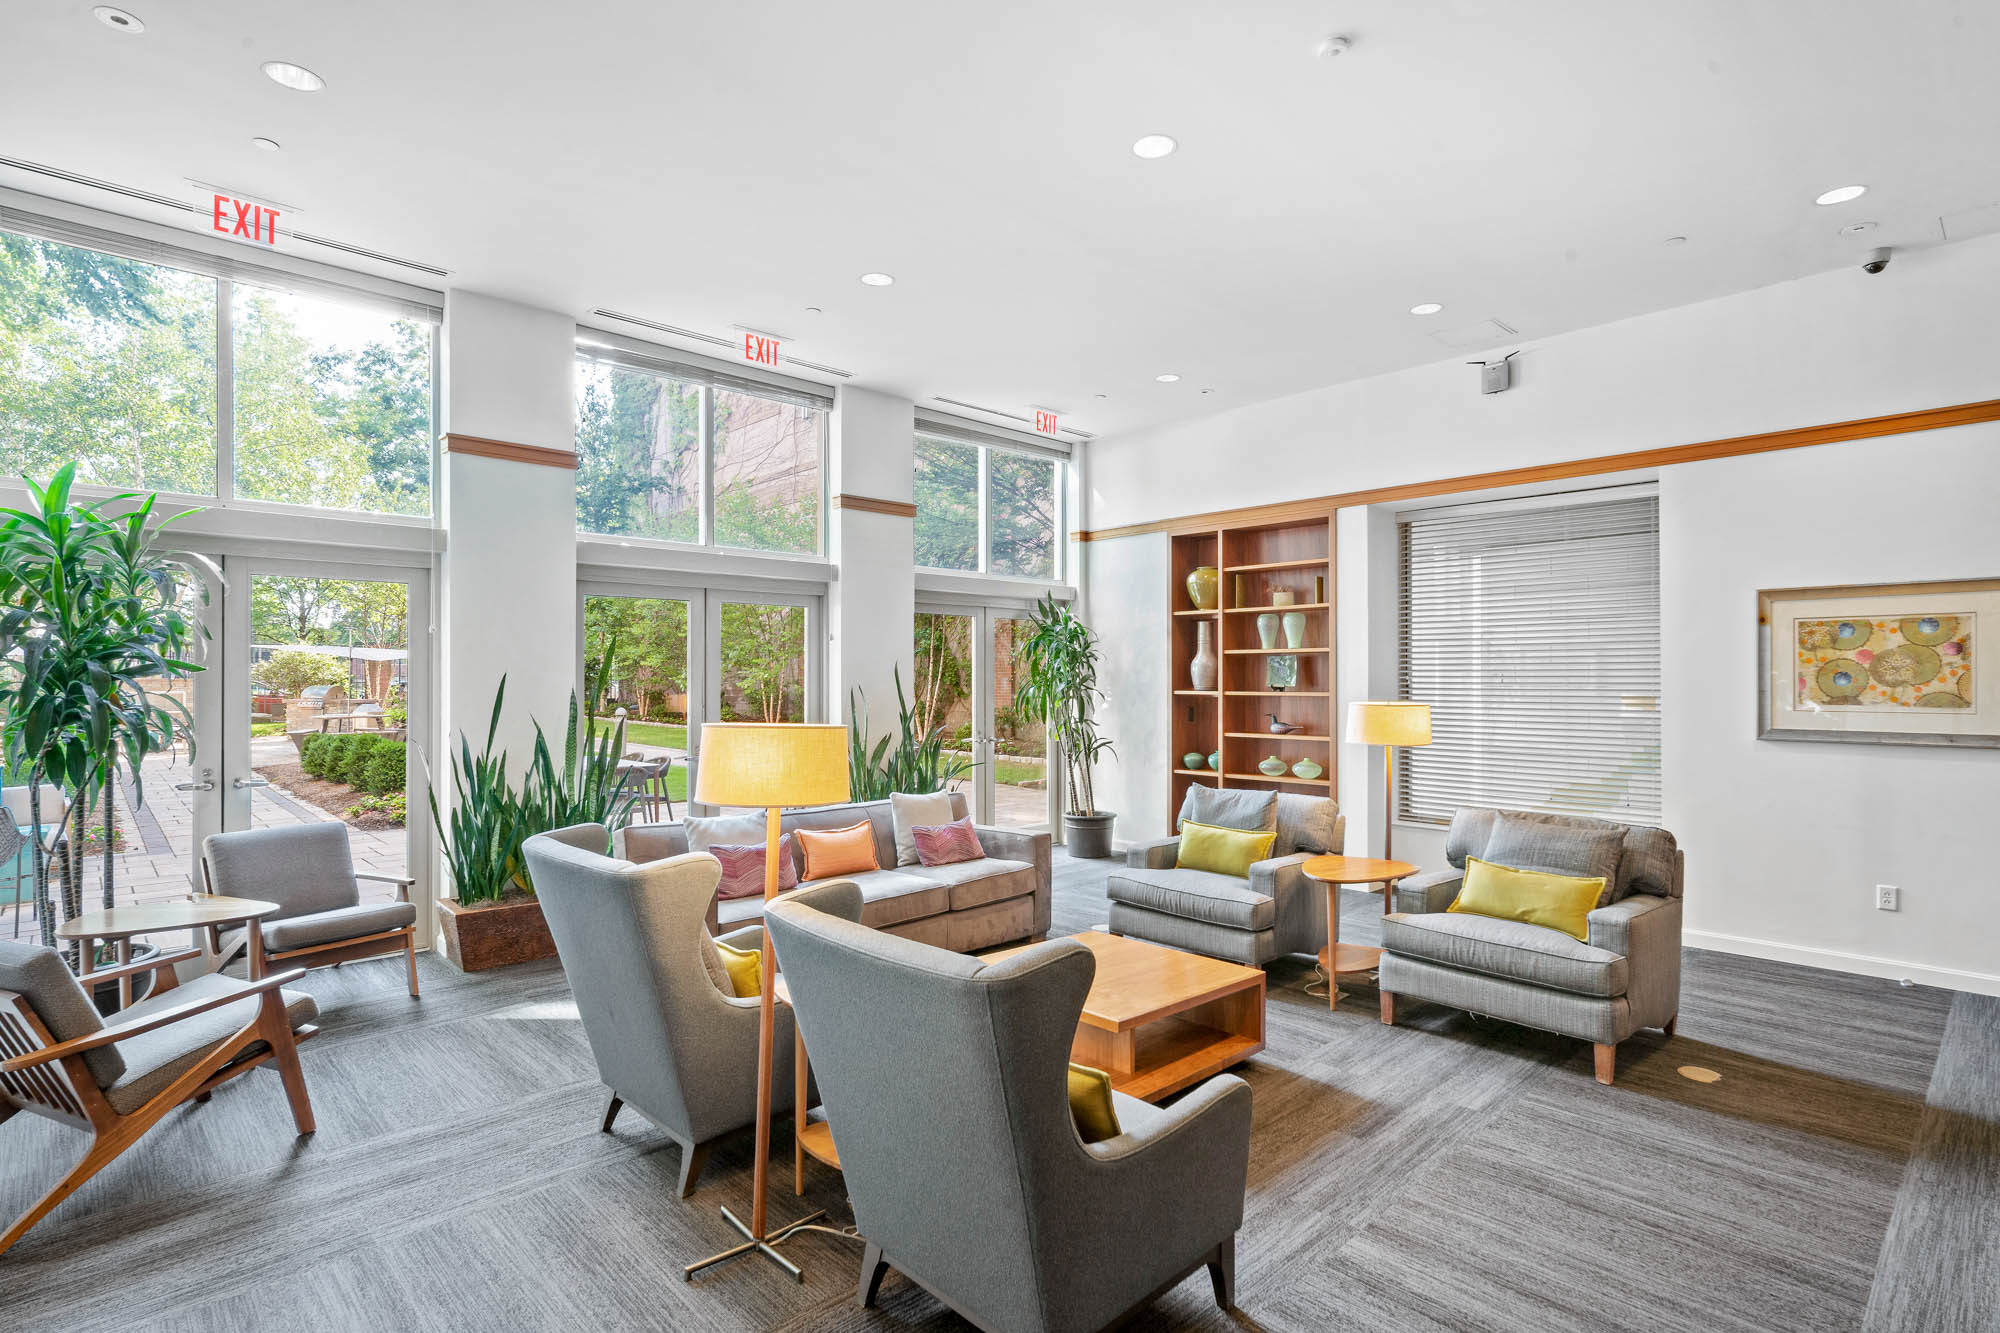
[[773, 765], [1388, 724]]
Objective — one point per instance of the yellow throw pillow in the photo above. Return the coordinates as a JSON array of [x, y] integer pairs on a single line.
[[1090, 1104], [745, 968], [1225, 851], [1560, 902]]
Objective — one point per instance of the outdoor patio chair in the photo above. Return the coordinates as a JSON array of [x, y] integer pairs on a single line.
[[58, 1059], [308, 871]]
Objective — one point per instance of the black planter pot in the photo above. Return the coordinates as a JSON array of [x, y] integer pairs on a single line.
[[105, 993], [1088, 836]]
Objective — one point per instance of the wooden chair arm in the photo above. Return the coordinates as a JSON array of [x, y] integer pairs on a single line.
[[402, 882], [133, 969], [78, 1045]]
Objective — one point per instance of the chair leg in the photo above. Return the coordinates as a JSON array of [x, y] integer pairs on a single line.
[[611, 1112], [277, 1032], [100, 1155], [410, 953], [1222, 1274], [1389, 1008], [1669, 1028], [873, 1267], [693, 1158], [1607, 1060]]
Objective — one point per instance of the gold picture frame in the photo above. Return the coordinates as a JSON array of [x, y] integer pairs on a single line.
[[1880, 663]]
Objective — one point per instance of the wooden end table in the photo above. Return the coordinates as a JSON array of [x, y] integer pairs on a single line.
[[1333, 872], [120, 924], [810, 1138], [1158, 1020]]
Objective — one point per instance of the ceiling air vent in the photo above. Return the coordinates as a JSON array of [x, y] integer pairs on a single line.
[[730, 343], [183, 206], [1029, 422], [1474, 337]]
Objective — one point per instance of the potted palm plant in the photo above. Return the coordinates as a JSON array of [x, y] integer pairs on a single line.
[[92, 621], [1058, 680]]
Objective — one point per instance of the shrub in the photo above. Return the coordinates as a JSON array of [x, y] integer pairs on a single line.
[[354, 758], [382, 772], [313, 755]]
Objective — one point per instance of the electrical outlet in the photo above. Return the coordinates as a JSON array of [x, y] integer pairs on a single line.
[[1888, 898]]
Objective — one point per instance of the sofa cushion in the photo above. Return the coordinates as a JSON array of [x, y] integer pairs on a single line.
[[728, 830], [1223, 807], [344, 923], [837, 853], [1306, 824], [890, 896], [1651, 864], [987, 880], [907, 811], [732, 912], [153, 1060], [1558, 845], [1198, 895], [1511, 949], [1225, 851]]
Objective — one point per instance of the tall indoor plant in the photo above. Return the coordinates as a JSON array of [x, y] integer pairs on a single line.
[[1058, 680], [919, 764], [90, 611]]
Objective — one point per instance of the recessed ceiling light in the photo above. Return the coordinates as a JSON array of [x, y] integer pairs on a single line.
[[296, 77], [1167, 379], [876, 279], [1857, 228], [1675, 240], [1841, 194], [1427, 308], [1208, 391], [1336, 45], [1100, 395], [268, 145], [1154, 145], [117, 18], [812, 310]]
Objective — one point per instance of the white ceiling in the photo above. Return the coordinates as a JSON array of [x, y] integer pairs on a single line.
[[726, 163]]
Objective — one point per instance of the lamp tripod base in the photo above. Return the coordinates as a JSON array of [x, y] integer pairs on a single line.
[[753, 1244]]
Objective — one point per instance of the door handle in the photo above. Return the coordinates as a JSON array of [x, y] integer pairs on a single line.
[[194, 786], [241, 783]]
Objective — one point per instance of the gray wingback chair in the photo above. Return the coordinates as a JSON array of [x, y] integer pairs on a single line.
[[668, 1039], [962, 1160], [1273, 912], [1626, 977]]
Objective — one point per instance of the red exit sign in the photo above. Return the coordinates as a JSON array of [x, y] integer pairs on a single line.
[[760, 349], [243, 219], [1046, 422]]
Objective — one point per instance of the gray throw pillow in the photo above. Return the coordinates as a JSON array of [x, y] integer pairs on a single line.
[[1305, 824], [908, 812], [1557, 846], [1221, 807], [725, 831]]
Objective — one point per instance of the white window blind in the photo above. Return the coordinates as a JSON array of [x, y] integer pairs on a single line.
[[1532, 629]]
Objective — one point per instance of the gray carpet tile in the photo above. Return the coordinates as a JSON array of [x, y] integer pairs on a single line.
[[1449, 1173]]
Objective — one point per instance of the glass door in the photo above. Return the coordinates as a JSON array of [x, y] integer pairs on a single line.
[[657, 678], [965, 662]]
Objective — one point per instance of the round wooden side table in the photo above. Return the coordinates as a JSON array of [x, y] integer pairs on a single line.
[[120, 924], [1333, 872]]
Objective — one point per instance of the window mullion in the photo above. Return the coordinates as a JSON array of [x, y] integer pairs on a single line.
[[985, 510], [225, 389], [705, 529]]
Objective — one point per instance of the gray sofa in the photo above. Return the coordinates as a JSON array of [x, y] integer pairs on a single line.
[[962, 1161], [635, 948], [1626, 977], [1274, 912], [965, 907]]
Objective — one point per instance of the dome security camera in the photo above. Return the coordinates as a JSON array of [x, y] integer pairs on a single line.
[[1877, 260]]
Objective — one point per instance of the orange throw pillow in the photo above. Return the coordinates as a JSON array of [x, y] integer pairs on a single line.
[[837, 851]]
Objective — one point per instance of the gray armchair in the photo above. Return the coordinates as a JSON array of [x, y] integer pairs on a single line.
[[1627, 975], [634, 944], [309, 872], [1273, 912], [962, 1161]]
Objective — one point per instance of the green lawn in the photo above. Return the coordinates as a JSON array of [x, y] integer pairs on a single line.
[[1013, 775], [671, 734], [267, 728]]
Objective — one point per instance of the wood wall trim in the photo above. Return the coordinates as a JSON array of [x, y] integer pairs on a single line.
[[868, 504], [1898, 423], [479, 447]]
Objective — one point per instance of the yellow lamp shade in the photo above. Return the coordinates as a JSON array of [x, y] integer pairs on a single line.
[[772, 764], [1389, 723]]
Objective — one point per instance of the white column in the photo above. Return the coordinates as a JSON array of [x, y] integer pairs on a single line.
[[872, 608], [509, 569], [1366, 593]]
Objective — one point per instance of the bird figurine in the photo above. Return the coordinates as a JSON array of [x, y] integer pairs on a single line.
[[1281, 728]]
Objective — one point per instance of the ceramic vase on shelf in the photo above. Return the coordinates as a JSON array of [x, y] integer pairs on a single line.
[[1319, 589], [1215, 760], [1295, 629], [1267, 629], [1306, 769], [1192, 760], [1203, 585], [1272, 767], [1242, 592], [1201, 671], [1282, 597]]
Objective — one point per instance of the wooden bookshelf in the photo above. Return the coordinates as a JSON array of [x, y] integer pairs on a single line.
[[1268, 559]]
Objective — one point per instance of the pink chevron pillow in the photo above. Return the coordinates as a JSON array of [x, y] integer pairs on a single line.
[[743, 869], [947, 844]]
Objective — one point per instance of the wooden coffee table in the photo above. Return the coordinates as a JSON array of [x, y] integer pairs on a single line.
[[1333, 872], [1158, 1020]]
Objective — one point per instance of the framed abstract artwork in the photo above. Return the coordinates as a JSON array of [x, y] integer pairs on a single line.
[[1883, 664]]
